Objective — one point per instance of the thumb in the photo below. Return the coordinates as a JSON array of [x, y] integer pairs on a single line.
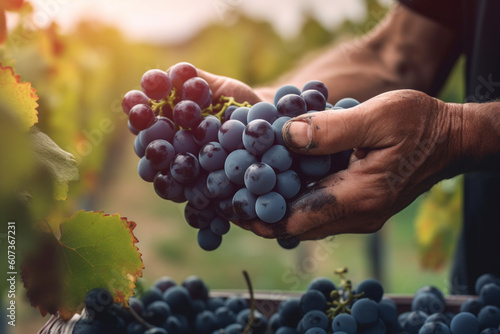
[[332, 131]]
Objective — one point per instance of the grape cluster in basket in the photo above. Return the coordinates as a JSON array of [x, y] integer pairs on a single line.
[[324, 308], [227, 159]]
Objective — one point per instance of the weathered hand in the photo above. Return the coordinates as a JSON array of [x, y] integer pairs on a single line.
[[405, 142]]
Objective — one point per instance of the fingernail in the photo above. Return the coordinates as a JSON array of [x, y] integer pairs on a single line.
[[297, 134]]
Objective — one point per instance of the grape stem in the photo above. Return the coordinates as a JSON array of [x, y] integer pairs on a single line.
[[224, 102], [157, 106], [139, 318], [251, 318], [339, 304]]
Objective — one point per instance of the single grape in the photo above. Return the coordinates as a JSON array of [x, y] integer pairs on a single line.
[[183, 142], [427, 302], [278, 157], [315, 101], [151, 295], [138, 147], [156, 84], [315, 165], [287, 184], [141, 117], [489, 316], [323, 285], [207, 130], [185, 167], [259, 178], [196, 287], [212, 156], [179, 300], [483, 280], [198, 218], [132, 130], [230, 135], [490, 294], [288, 243], [262, 110], [278, 128], [167, 187], [315, 318], [289, 311], [197, 90], [236, 164], [133, 98], [224, 317], [219, 186], [157, 312], [187, 114], [291, 105], [240, 114], [163, 128], [270, 207], [244, 204], [160, 153], [464, 323], [365, 311], [208, 240], [413, 321], [312, 300], [229, 111], [285, 90], [180, 73], [258, 136], [164, 283], [344, 322], [346, 103], [316, 85], [220, 226], [471, 305], [146, 170], [372, 289]]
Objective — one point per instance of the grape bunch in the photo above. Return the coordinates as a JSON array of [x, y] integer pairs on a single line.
[[226, 159], [168, 308], [324, 308]]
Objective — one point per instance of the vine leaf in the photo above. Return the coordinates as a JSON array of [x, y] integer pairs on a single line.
[[94, 250], [59, 164], [19, 96]]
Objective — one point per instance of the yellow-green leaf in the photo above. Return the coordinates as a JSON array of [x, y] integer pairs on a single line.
[[19, 96], [94, 250]]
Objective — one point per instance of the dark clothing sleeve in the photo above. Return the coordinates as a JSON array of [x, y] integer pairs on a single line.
[[447, 12]]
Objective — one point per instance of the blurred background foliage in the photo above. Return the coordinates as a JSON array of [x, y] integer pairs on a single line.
[[80, 78]]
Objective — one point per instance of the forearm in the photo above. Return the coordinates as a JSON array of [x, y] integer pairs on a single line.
[[481, 137], [404, 51]]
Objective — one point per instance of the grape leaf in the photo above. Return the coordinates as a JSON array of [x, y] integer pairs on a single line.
[[94, 250], [59, 164], [19, 96], [438, 223]]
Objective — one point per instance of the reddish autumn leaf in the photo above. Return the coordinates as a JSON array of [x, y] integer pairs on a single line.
[[94, 250], [7, 5]]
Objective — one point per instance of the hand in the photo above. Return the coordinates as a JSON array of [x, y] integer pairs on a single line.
[[405, 142], [221, 85]]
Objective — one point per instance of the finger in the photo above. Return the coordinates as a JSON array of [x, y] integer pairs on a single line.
[[333, 131]]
